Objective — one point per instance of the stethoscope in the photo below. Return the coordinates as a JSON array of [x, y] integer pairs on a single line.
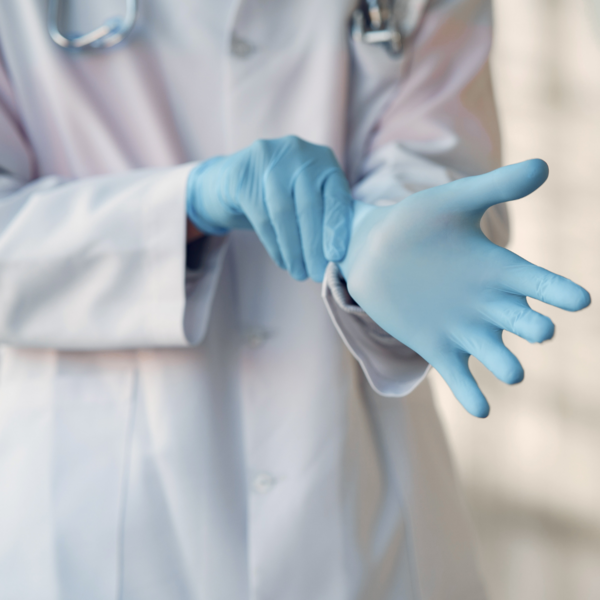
[[373, 22], [112, 32], [376, 22]]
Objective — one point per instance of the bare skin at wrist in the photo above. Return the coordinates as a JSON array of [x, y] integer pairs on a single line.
[[193, 234]]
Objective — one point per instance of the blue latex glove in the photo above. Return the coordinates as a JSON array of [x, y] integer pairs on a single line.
[[292, 193], [424, 271]]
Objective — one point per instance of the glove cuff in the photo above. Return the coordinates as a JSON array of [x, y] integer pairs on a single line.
[[194, 198]]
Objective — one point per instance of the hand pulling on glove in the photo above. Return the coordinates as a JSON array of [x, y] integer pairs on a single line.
[[424, 271], [292, 193]]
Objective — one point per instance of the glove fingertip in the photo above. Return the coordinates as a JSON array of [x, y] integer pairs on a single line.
[[548, 331], [539, 170], [298, 274], [584, 300], [572, 297], [316, 269], [481, 410], [335, 243], [515, 375], [474, 401], [335, 253]]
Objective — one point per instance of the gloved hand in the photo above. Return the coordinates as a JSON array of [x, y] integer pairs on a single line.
[[424, 271], [292, 193]]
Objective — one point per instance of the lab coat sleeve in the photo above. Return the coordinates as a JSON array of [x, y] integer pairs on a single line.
[[391, 368], [99, 262], [417, 122]]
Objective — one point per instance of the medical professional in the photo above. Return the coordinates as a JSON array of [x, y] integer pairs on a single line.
[[217, 431]]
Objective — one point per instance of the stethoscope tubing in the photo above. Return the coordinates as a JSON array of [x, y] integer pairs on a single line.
[[115, 30], [110, 33]]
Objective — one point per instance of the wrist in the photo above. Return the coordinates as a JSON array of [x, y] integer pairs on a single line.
[[201, 194], [192, 232]]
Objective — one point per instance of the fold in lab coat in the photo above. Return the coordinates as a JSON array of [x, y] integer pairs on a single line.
[[209, 434]]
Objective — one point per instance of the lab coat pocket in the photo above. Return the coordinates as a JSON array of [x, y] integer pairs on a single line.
[[64, 446]]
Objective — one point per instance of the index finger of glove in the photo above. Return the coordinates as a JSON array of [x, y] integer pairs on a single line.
[[281, 208], [309, 207], [502, 185], [532, 281], [337, 220]]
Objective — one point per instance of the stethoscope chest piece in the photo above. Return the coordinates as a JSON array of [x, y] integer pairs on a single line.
[[376, 22]]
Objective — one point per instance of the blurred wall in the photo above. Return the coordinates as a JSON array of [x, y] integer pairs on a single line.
[[532, 469]]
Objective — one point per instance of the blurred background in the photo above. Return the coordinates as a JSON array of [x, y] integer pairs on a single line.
[[531, 471]]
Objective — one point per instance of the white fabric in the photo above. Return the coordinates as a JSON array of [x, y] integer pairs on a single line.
[[389, 366], [208, 435]]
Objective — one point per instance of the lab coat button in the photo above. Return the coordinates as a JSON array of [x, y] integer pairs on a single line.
[[241, 48], [263, 483], [257, 337]]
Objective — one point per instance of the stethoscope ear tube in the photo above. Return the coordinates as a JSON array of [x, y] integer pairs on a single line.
[[110, 33]]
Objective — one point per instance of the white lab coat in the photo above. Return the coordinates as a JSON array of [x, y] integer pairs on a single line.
[[208, 435]]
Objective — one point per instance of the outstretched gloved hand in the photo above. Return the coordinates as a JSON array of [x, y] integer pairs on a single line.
[[424, 271], [292, 193]]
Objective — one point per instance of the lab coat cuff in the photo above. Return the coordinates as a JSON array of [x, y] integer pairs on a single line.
[[164, 248], [179, 300], [201, 286], [391, 368]]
